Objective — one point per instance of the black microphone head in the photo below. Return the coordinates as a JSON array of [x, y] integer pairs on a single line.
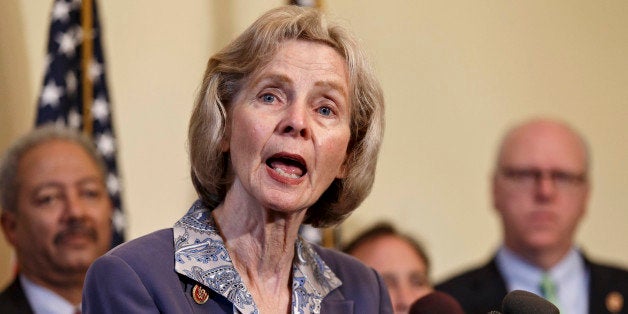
[[524, 302], [436, 302]]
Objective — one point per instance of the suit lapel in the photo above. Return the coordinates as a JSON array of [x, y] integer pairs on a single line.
[[335, 302], [337, 306], [604, 295], [493, 284], [13, 299]]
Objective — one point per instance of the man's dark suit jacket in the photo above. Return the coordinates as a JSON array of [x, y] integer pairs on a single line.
[[482, 289], [139, 277], [13, 300]]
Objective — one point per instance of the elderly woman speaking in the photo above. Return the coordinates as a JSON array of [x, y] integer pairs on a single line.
[[286, 130]]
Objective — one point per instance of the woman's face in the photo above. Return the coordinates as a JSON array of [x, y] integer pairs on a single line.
[[290, 128]]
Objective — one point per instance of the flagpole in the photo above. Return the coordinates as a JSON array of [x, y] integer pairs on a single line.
[[87, 51]]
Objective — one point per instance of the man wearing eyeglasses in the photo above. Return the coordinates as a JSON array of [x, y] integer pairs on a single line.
[[540, 191]]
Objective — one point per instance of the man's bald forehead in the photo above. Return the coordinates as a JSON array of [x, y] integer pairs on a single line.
[[535, 129]]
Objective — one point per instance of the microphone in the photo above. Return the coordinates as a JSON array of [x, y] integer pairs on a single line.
[[524, 302], [436, 302]]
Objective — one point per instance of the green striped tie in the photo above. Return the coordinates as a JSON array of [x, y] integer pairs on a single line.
[[548, 289]]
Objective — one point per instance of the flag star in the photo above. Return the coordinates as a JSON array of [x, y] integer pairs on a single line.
[[100, 109], [61, 11], [95, 71], [77, 32], [311, 234], [51, 94], [118, 220], [306, 3], [48, 60], [60, 122], [74, 119], [113, 184], [67, 43], [75, 4], [105, 144], [71, 83]]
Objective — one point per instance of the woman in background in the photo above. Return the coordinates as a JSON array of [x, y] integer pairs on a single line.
[[400, 259], [286, 130]]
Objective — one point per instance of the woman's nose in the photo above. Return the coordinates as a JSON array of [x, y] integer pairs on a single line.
[[295, 121]]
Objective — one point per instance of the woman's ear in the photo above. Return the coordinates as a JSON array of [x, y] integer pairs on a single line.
[[343, 171], [224, 144]]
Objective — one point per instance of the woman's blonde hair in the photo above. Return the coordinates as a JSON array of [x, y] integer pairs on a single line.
[[228, 70]]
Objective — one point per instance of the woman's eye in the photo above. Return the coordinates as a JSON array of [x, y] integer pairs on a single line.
[[269, 98], [326, 111]]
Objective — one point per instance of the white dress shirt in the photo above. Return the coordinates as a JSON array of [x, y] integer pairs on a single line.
[[570, 276], [45, 301]]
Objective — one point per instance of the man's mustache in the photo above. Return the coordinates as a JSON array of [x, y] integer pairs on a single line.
[[76, 228]]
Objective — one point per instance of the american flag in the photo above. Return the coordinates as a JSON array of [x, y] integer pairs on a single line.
[[74, 89]]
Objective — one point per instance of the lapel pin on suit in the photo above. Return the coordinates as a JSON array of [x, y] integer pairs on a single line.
[[199, 294], [614, 302]]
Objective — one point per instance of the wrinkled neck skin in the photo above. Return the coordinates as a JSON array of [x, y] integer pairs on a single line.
[[260, 242]]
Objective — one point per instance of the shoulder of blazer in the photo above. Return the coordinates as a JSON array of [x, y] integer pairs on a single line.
[[607, 284], [478, 290], [13, 299]]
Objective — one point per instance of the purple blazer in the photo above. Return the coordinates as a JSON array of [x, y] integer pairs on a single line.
[[139, 277]]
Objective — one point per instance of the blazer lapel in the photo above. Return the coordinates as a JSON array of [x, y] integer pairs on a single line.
[[14, 300], [335, 302], [337, 306]]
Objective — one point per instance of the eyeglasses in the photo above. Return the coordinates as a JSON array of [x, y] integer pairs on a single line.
[[530, 177]]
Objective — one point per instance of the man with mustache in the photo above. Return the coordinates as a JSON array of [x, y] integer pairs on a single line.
[[56, 213]]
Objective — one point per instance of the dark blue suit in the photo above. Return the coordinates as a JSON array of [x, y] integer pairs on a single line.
[[482, 289], [139, 277], [13, 300]]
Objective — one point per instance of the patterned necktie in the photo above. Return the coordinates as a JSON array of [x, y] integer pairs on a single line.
[[548, 289]]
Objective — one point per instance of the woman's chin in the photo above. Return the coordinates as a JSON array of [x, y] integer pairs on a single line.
[[286, 205]]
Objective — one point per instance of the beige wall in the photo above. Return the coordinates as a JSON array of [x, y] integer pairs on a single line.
[[455, 74]]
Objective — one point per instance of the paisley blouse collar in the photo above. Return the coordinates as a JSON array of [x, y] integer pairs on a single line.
[[201, 255]]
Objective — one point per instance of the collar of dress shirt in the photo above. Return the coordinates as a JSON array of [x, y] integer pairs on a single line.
[[570, 276], [43, 300]]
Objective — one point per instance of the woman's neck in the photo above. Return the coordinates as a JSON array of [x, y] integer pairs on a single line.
[[260, 243]]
